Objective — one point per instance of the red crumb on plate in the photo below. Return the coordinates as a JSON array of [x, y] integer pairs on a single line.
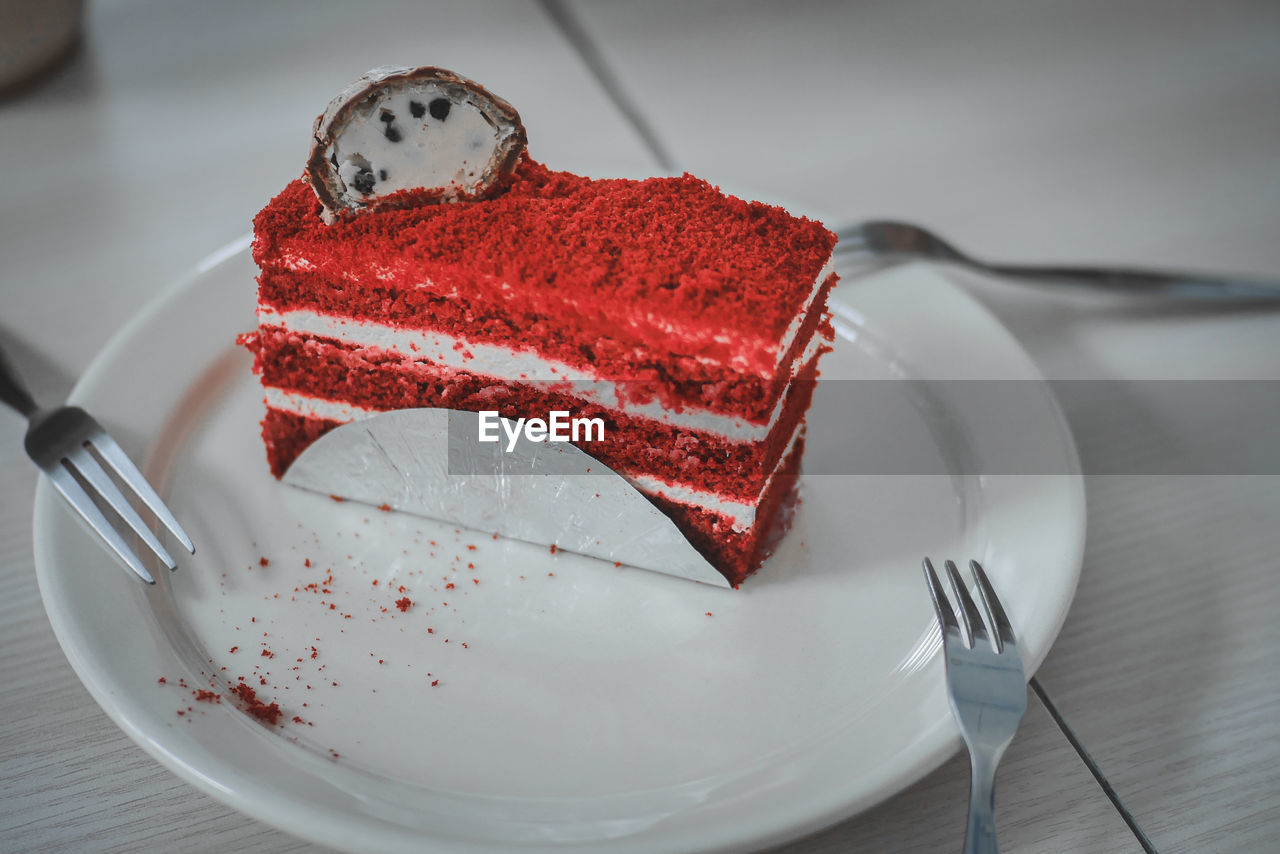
[[269, 712]]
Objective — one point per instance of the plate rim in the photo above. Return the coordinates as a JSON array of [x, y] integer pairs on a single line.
[[933, 746]]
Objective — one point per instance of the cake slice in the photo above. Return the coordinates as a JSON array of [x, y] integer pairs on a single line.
[[689, 321]]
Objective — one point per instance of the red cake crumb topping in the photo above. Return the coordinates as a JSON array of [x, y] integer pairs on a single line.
[[669, 265]]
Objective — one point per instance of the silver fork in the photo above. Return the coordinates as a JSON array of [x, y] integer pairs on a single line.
[[987, 688], [67, 444], [883, 240]]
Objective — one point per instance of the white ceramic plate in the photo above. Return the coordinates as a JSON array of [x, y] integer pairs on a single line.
[[558, 702]]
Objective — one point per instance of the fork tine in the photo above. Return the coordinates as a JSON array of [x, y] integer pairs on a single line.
[[851, 238], [128, 472], [995, 611], [83, 504], [851, 241], [845, 250], [946, 617], [974, 627], [83, 463]]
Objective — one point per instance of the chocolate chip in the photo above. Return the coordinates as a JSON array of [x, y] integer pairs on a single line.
[[416, 109], [386, 116], [382, 174], [364, 181], [392, 133], [440, 109]]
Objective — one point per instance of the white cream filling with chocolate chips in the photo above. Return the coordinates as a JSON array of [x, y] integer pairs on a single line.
[[413, 135]]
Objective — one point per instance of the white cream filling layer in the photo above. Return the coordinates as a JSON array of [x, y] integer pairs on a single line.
[[508, 364], [741, 515], [793, 328], [315, 407]]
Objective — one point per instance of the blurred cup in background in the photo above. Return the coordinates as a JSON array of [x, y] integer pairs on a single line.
[[35, 36]]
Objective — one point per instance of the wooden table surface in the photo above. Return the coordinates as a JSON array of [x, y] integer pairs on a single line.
[[1146, 133]]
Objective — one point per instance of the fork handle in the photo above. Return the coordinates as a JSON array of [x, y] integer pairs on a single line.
[[12, 391], [980, 835], [1186, 285]]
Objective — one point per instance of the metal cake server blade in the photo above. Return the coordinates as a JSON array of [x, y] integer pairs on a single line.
[[429, 462]]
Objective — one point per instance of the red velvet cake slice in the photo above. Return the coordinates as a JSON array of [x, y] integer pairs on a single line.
[[690, 322]]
